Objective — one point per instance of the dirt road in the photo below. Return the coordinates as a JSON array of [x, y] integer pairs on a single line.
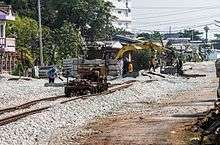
[[156, 126], [163, 122]]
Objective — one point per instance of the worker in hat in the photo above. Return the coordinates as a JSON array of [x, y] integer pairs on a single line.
[[52, 74]]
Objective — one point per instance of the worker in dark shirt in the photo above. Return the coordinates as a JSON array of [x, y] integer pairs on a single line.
[[152, 61], [152, 64], [52, 74], [179, 66], [125, 67]]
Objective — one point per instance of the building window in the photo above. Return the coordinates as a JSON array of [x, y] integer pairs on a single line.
[[119, 12]]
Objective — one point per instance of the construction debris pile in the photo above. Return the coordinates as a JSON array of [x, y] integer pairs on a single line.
[[208, 128], [70, 66]]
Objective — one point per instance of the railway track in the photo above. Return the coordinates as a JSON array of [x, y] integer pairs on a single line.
[[34, 102], [15, 117], [29, 104]]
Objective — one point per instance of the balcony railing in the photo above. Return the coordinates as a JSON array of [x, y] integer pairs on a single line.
[[7, 44]]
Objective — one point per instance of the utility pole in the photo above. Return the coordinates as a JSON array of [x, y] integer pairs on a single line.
[[40, 35], [206, 28], [192, 34], [170, 30]]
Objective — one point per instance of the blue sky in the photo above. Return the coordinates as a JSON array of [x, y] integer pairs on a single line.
[[160, 15]]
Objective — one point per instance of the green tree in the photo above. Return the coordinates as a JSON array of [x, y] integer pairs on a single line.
[[193, 34], [64, 22], [156, 36], [25, 30], [92, 17], [144, 36], [69, 42], [141, 58], [217, 36]]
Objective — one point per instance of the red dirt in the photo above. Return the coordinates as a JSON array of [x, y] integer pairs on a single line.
[[153, 125]]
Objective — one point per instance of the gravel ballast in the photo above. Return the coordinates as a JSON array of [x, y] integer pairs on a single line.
[[45, 127]]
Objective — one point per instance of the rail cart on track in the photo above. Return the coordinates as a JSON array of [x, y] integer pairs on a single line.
[[92, 80]]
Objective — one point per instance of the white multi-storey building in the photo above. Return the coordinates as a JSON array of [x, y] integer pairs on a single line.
[[122, 11]]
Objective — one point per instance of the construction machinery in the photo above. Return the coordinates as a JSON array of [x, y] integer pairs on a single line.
[[128, 50], [92, 79]]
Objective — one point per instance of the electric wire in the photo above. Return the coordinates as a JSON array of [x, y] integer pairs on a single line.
[[175, 21], [177, 7], [177, 29], [171, 14]]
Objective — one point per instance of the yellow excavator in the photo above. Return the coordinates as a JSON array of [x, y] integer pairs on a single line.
[[130, 48]]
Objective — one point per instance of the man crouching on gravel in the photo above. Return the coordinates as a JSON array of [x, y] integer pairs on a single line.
[[52, 74]]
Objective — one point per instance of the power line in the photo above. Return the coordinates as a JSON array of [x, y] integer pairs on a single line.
[[174, 21], [171, 14], [177, 21], [197, 26], [177, 29], [152, 12], [218, 30], [173, 7], [164, 24]]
